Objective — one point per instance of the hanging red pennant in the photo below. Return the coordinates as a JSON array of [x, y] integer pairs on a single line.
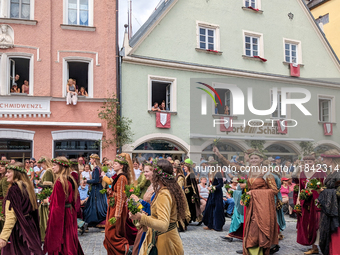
[[328, 128], [163, 120], [226, 124], [294, 70], [282, 127]]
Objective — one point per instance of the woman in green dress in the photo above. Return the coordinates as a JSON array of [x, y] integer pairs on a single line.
[[47, 180], [143, 183], [3, 188]]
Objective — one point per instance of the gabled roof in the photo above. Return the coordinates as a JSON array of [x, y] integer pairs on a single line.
[[315, 3], [155, 16]]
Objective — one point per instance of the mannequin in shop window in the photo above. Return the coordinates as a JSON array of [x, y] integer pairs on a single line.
[[25, 87], [72, 93]]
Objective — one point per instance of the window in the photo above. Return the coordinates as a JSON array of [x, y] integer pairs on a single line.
[[76, 148], [250, 3], [277, 112], [78, 12], [225, 96], [162, 89], [207, 38], [291, 53], [19, 74], [16, 149], [325, 110], [79, 69], [20, 9], [252, 46]]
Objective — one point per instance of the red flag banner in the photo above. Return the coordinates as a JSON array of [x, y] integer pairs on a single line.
[[294, 70], [226, 124], [163, 120], [328, 128], [282, 127]]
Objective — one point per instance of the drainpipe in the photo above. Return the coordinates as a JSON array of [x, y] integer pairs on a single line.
[[118, 65]]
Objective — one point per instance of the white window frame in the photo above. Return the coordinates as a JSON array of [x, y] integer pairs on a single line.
[[173, 90], [257, 4], [5, 9], [299, 50], [222, 86], [260, 46], [216, 28], [288, 110], [91, 14], [66, 73], [332, 109], [6, 67]]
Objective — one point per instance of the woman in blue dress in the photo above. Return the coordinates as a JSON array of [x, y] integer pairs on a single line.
[[213, 216], [96, 206]]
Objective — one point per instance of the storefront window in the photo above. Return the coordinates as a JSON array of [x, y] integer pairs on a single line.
[[76, 148], [226, 149], [16, 149]]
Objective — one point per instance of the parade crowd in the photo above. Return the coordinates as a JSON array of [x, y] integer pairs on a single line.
[[142, 205]]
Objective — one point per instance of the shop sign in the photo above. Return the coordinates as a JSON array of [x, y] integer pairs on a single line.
[[24, 105]]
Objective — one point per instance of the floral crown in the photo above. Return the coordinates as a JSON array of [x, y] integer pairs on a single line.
[[257, 154], [4, 162], [73, 162], [95, 156], [60, 162], [163, 174], [16, 168], [121, 160], [42, 160]]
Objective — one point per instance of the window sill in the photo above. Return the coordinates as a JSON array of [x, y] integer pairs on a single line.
[[253, 58], [252, 10], [79, 28], [288, 63], [209, 51], [19, 94], [216, 116], [19, 21], [172, 113], [323, 122]]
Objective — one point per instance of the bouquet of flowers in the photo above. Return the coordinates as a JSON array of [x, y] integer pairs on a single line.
[[134, 207], [227, 186], [45, 193], [317, 203], [241, 180], [130, 189], [111, 201], [187, 191], [216, 141], [245, 199], [112, 221], [36, 176], [231, 192], [193, 199], [314, 184], [296, 188], [305, 194], [213, 188], [105, 169], [297, 209], [103, 191]]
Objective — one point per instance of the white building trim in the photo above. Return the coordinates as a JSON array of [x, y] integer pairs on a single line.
[[78, 51], [16, 134], [294, 146], [328, 142], [77, 134], [129, 148], [47, 123]]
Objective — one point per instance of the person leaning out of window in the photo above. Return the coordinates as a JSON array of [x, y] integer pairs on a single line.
[[15, 88], [25, 87], [155, 107], [72, 93], [162, 106], [82, 92]]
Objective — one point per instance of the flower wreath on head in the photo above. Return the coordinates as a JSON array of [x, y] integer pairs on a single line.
[[4, 162], [163, 174], [16, 168], [257, 154], [42, 160], [73, 162], [60, 162], [121, 160], [94, 156]]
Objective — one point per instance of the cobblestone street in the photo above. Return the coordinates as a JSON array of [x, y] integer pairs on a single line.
[[197, 241]]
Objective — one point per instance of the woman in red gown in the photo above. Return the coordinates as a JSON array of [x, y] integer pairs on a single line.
[[115, 241], [61, 233]]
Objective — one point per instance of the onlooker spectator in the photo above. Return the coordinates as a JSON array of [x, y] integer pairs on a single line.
[[234, 184], [86, 173], [155, 107], [37, 167], [4, 158], [226, 110], [29, 170], [81, 163], [12, 161], [203, 192], [228, 202], [136, 169], [140, 158], [285, 189], [15, 88], [83, 193], [71, 93], [82, 92], [162, 106], [25, 87], [110, 171]]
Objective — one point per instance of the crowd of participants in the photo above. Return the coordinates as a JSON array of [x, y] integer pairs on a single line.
[[45, 204]]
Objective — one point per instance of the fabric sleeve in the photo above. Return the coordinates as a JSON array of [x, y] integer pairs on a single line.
[[55, 229], [163, 207], [220, 183], [1, 194], [5, 185], [10, 221], [48, 176], [121, 197], [272, 184], [142, 181], [107, 180], [95, 176], [180, 181]]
